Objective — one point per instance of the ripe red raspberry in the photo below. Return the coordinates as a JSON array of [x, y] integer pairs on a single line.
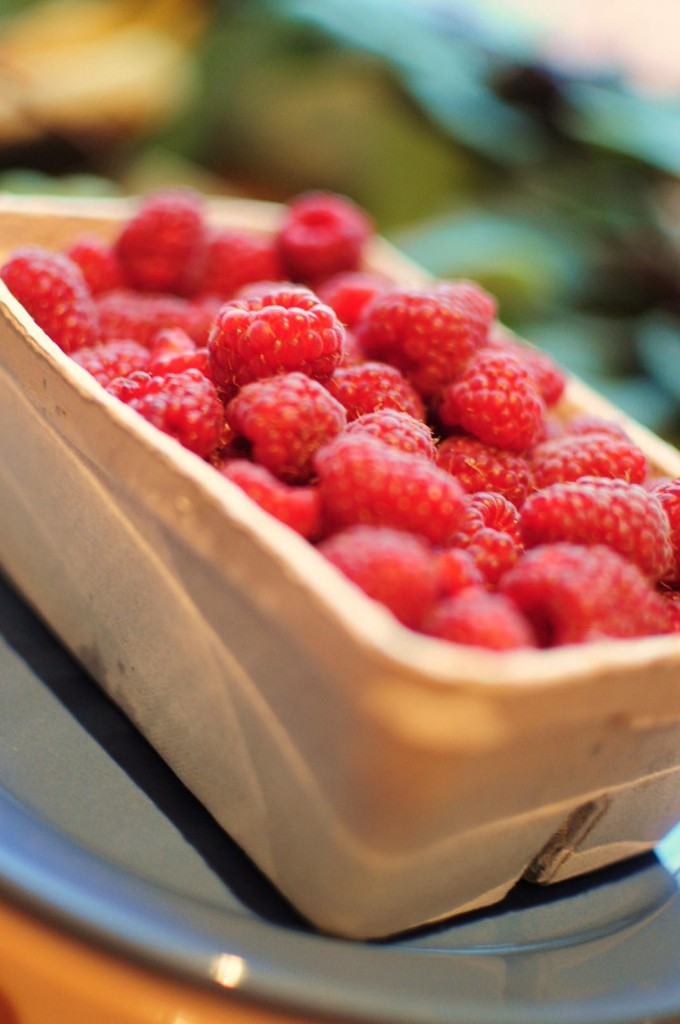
[[287, 419], [458, 570], [667, 494], [162, 247], [283, 330], [52, 290], [172, 350], [135, 315], [349, 292], [397, 428], [395, 568], [111, 359], [574, 456], [183, 405], [596, 510], [495, 399], [489, 532], [490, 510], [98, 263], [589, 423], [573, 594], [480, 619], [549, 378], [369, 386], [362, 480], [297, 507], [483, 467], [428, 333], [322, 233], [236, 257], [671, 599]]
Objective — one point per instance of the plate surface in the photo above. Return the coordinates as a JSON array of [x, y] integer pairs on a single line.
[[98, 834]]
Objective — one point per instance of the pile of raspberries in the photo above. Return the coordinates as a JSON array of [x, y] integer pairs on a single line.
[[401, 430]]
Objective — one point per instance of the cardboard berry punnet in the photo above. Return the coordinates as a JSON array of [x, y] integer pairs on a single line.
[[380, 778]]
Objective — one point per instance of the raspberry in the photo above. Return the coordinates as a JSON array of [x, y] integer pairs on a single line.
[[590, 454], [483, 467], [490, 510], [458, 570], [427, 333], [362, 480], [397, 569], [283, 330], [183, 405], [52, 290], [667, 494], [235, 258], [573, 594], [297, 507], [492, 551], [322, 234], [111, 359], [369, 386], [97, 262], [596, 510], [589, 423], [549, 378], [172, 350], [287, 419], [489, 532], [128, 314], [496, 400], [396, 428], [478, 618], [162, 246], [349, 292]]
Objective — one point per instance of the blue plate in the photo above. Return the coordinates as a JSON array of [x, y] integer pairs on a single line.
[[97, 834]]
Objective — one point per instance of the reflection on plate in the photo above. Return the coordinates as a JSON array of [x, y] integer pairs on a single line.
[[96, 832]]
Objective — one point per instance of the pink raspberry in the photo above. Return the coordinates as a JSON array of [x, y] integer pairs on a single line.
[[297, 507], [458, 570], [590, 454], [480, 619], [397, 569], [369, 386], [236, 257], [285, 329], [162, 247], [396, 428], [428, 333], [482, 467], [97, 262], [495, 399], [597, 510], [667, 494], [322, 233], [362, 480], [349, 292], [183, 405], [52, 290], [287, 419], [128, 314], [573, 594], [111, 359]]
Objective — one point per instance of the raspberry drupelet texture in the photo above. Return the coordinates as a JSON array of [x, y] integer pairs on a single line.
[[362, 480], [397, 428], [322, 233], [183, 405], [496, 400], [98, 263], [549, 378], [235, 258], [52, 289], [591, 454], [482, 467], [397, 569], [162, 246], [140, 316], [573, 594], [287, 419], [111, 359], [172, 350], [489, 532], [349, 292], [285, 329], [598, 511], [481, 619], [297, 507], [458, 570], [667, 494], [369, 386], [428, 333]]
